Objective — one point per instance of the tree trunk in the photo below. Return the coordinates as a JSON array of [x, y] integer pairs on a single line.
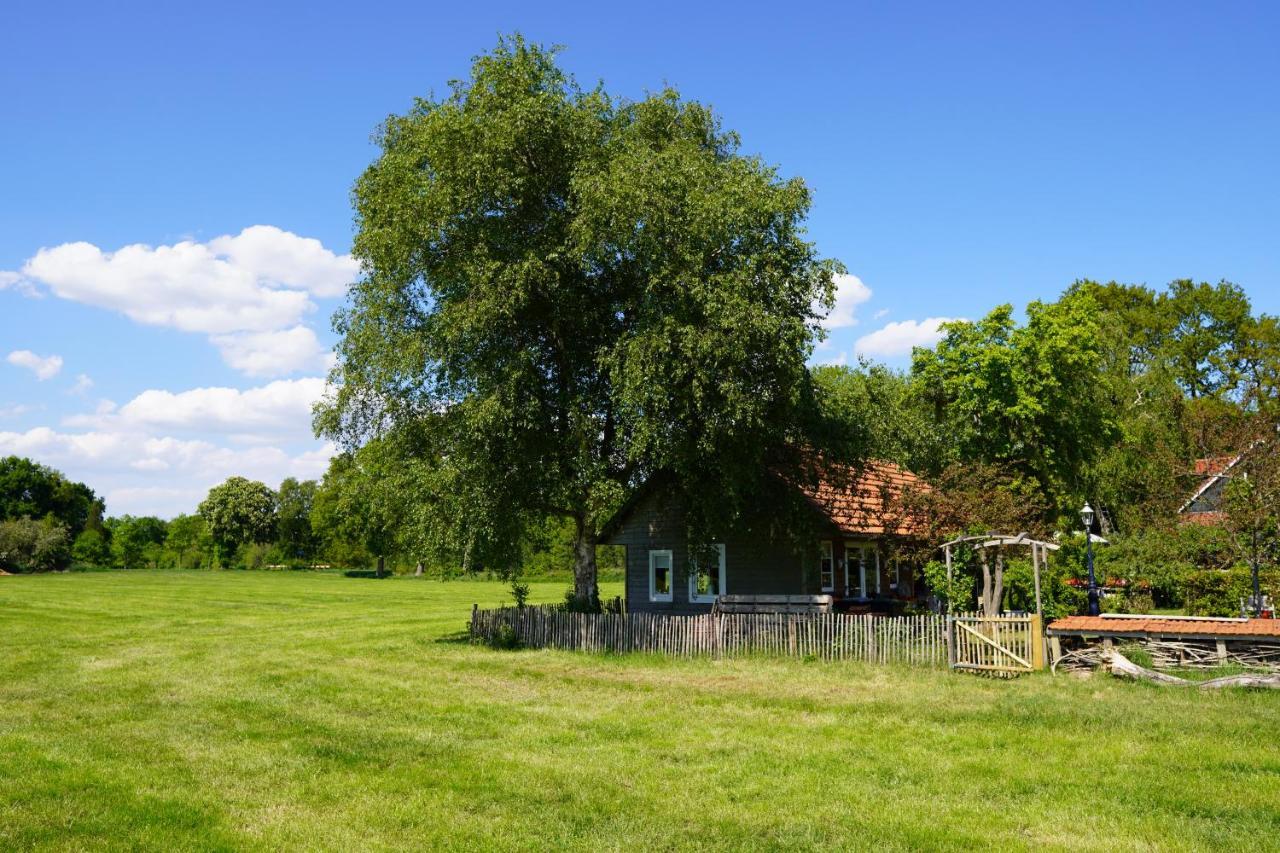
[[986, 582], [417, 571], [997, 594], [585, 589], [382, 565]]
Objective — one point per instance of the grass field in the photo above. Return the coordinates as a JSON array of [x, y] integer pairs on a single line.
[[190, 710]]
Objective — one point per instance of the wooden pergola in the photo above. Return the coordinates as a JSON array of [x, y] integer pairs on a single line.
[[1001, 540]]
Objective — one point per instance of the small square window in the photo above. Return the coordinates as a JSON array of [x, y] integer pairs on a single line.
[[660, 575]]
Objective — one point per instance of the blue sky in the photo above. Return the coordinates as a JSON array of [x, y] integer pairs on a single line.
[[960, 156]]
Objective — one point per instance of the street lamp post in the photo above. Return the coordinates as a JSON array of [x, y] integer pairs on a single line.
[[1086, 515]]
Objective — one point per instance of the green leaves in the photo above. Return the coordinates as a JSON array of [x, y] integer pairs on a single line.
[[239, 511], [1024, 396], [576, 291]]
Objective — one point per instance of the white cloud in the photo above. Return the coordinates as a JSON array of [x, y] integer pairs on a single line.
[[44, 367], [158, 475], [850, 293], [275, 255], [881, 313], [837, 360], [82, 384], [898, 339], [272, 353], [235, 289], [280, 406], [9, 278], [16, 410]]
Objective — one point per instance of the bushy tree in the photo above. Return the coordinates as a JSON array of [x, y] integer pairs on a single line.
[[92, 548], [295, 500], [28, 545], [31, 490], [236, 512], [580, 291], [1026, 398], [136, 541], [187, 542]]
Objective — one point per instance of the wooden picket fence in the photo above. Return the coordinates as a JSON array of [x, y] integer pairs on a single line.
[[918, 640]]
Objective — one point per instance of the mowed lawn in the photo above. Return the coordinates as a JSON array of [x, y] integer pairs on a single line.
[[234, 710]]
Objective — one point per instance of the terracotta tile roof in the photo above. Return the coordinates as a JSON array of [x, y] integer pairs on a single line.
[[1206, 519], [1168, 625], [863, 499], [1212, 465]]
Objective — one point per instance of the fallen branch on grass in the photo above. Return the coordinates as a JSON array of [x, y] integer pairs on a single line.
[[1122, 666]]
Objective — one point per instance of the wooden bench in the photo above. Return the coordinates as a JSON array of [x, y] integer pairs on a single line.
[[773, 604]]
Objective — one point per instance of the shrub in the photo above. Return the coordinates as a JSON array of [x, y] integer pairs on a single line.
[[1215, 592], [520, 592], [505, 638], [34, 546]]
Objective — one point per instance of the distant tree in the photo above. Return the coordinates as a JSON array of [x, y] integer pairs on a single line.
[[30, 545], [1025, 398], [237, 512], [187, 541], [135, 540], [31, 490], [92, 548], [293, 528], [883, 409], [354, 504], [1207, 327], [581, 290]]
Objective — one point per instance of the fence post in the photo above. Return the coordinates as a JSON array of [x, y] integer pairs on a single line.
[[951, 641], [1037, 642]]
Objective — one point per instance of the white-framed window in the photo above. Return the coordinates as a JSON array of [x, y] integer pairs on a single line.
[[660, 575], [827, 567], [897, 574], [706, 583]]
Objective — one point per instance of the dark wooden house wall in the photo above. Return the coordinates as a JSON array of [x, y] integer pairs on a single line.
[[753, 563]]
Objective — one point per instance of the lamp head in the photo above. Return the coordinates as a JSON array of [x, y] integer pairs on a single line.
[[1086, 515]]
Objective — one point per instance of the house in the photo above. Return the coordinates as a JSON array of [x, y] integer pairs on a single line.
[[848, 558], [1204, 505]]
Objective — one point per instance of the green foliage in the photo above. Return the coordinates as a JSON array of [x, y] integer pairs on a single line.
[[92, 548], [1024, 397], [238, 512], [519, 592], [956, 594], [1217, 592], [31, 490], [881, 409], [574, 291], [188, 543], [136, 541], [295, 501], [27, 545]]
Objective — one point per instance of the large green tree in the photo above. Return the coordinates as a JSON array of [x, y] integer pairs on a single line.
[[237, 512], [579, 291], [1025, 397]]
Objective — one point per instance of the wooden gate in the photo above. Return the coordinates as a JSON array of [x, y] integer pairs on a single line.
[[997, 645]]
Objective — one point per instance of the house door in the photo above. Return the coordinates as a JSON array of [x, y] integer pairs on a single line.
[[863, 564]]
